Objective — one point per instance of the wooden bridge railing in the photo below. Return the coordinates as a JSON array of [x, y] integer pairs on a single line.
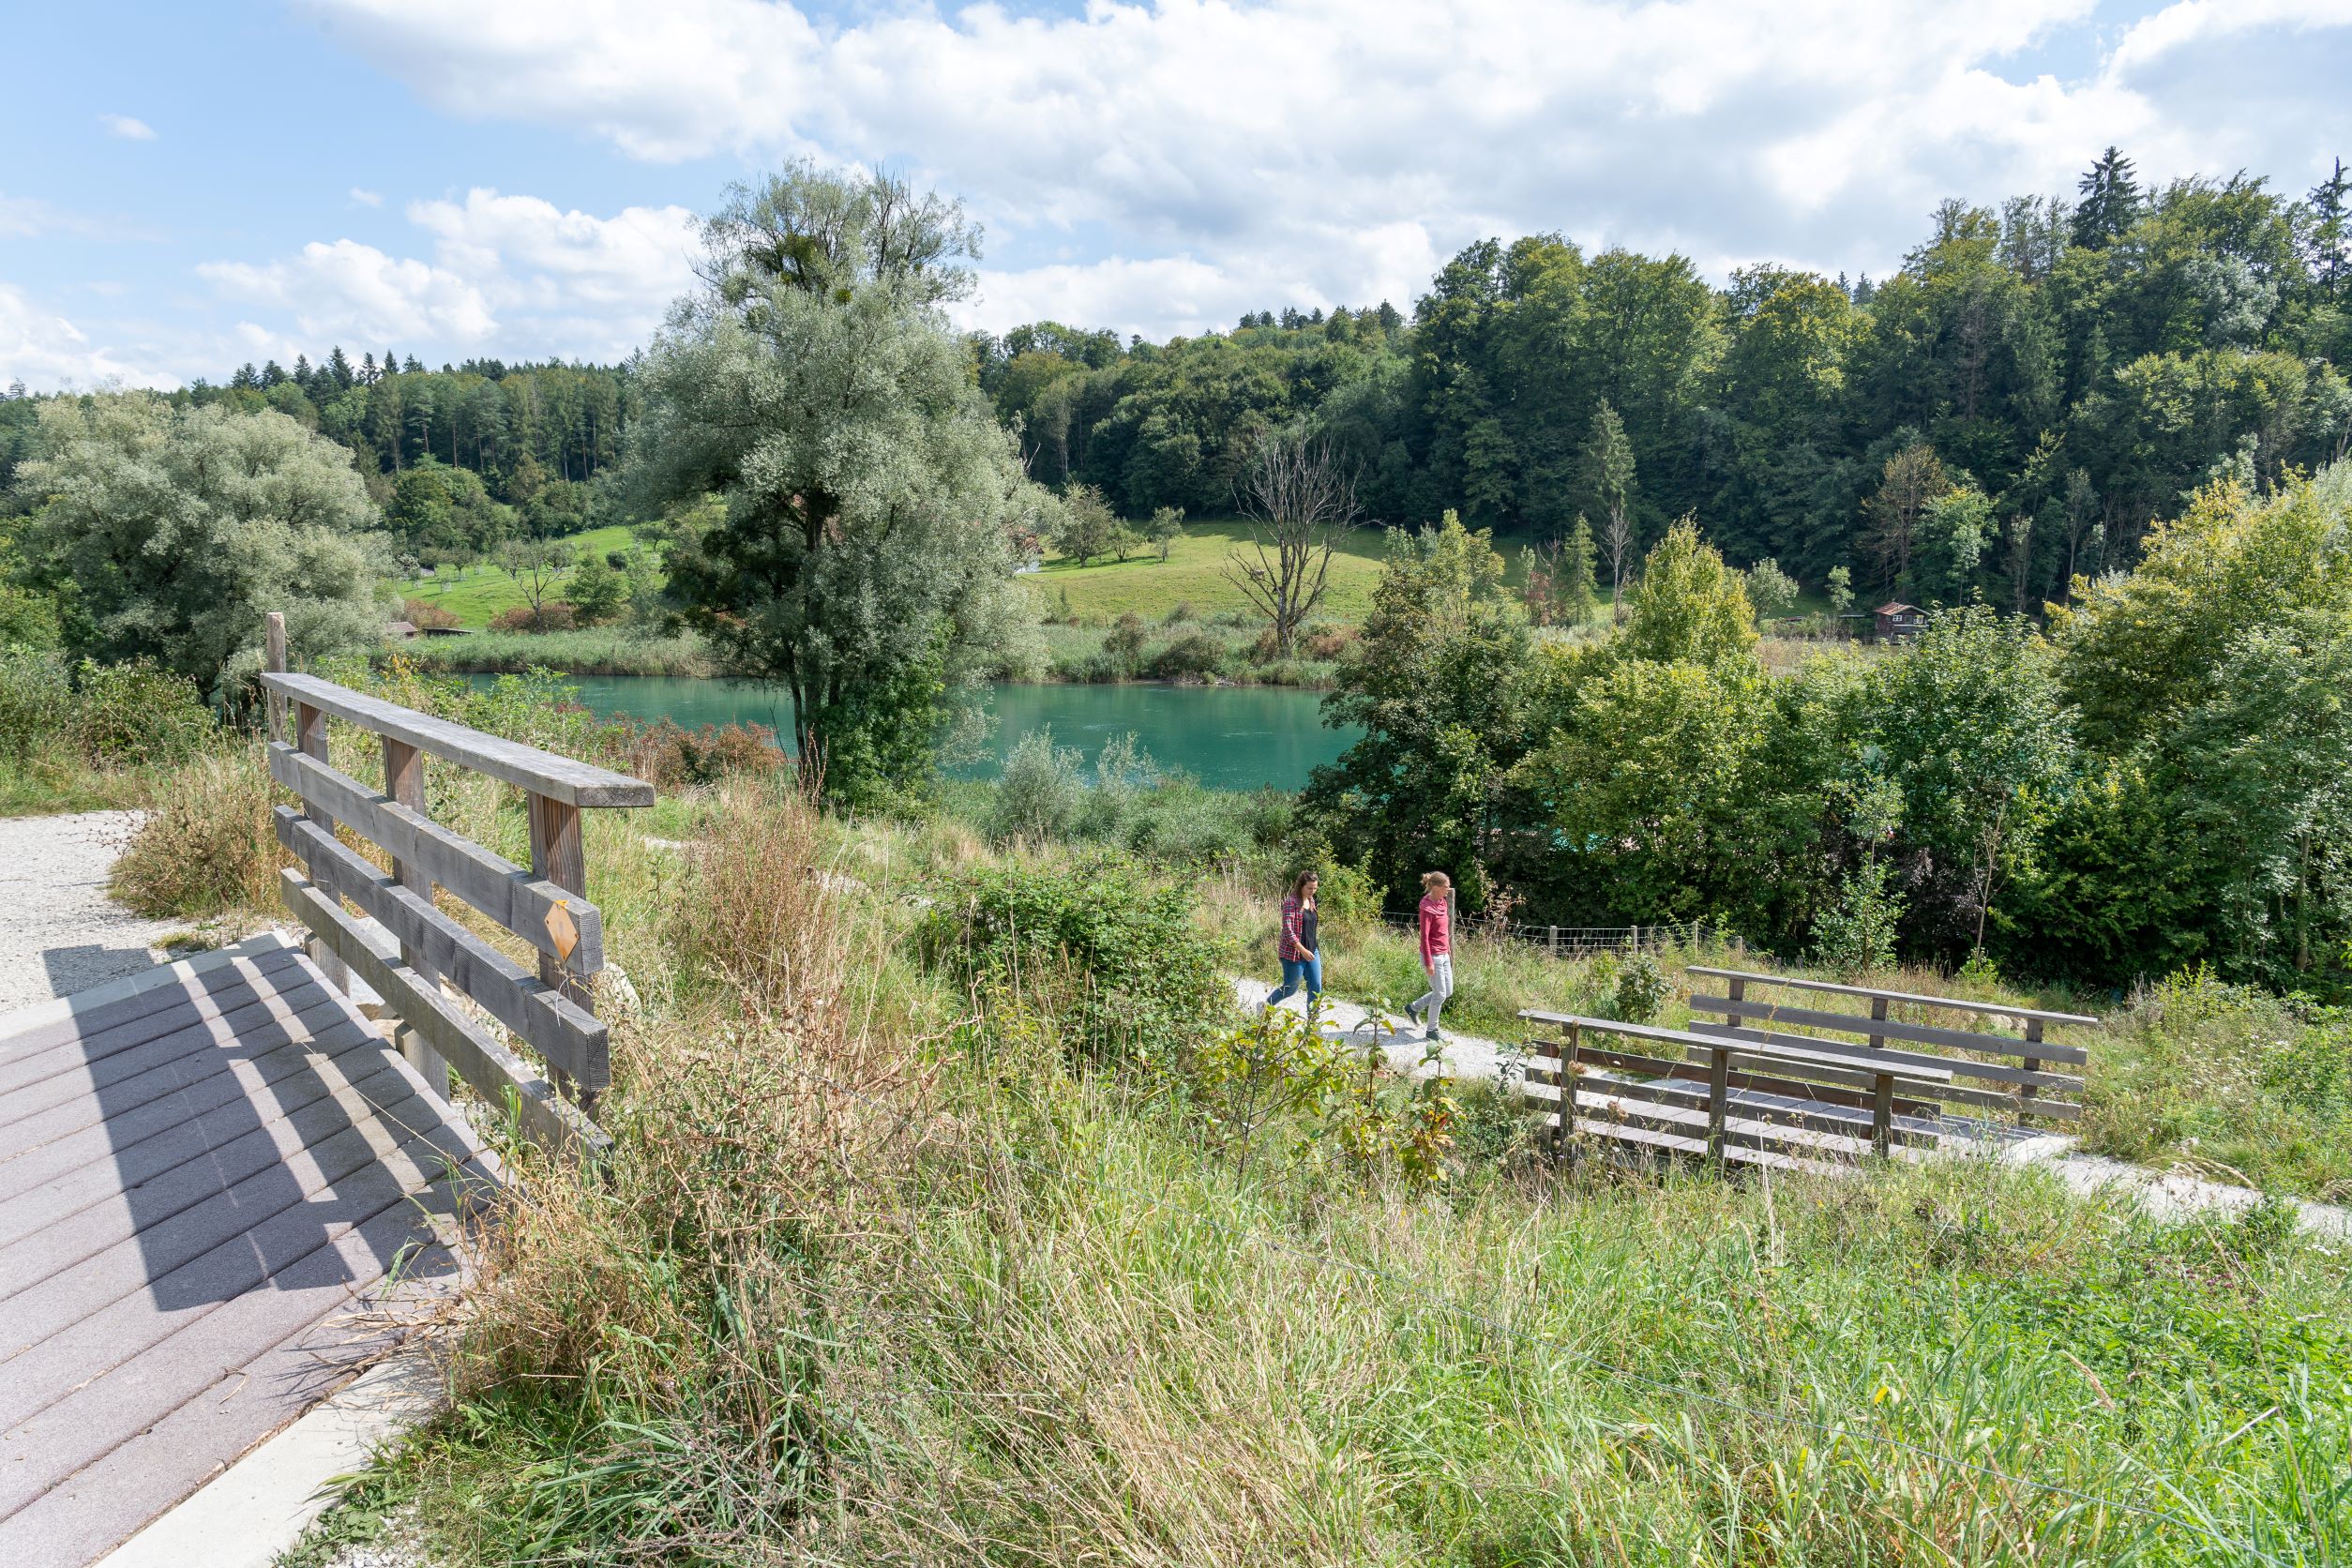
[[2022, 1085], [1720, 1098], [554, 1009]]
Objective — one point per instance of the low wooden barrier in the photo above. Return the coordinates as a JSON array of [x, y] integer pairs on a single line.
[[1725, 1100], [2020, 1084], [424, 949]]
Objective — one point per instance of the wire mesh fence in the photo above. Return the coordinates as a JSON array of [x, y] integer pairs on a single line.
[[1579, 942]]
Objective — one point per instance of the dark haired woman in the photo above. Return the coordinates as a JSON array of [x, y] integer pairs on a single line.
[[1301, 957]]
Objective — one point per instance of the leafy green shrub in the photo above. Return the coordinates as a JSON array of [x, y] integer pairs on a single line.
[[1194, 654], [136, 715], [1040, 790], [1642, 989], [1101, 943], [36, 699], [1855, 936]]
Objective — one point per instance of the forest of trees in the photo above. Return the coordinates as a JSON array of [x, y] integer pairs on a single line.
[[2035, 388], [461, 458]]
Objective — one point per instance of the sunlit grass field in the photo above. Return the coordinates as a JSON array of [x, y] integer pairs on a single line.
[[479, 593], [1193, 574]]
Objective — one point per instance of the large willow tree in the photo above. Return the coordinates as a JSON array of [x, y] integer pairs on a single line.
[[863, 555]]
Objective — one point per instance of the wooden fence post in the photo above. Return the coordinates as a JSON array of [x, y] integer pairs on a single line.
[[1718, 1101], [1555, 941], [273, 703], [1567, 1128], [310, 740], [2026, 1093], [1882, 1115], [404, 781], [558, 855]]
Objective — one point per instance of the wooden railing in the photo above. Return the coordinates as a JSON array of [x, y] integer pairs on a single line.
[[1725, 1100], [420, 948], [2022, 1085]]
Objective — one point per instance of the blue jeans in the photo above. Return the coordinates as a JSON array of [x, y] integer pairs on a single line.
[[1295, 973]]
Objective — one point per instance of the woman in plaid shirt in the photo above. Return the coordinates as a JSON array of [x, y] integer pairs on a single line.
[[1301, 957]]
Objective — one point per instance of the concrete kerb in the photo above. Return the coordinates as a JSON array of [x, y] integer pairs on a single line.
[[248, 1513]]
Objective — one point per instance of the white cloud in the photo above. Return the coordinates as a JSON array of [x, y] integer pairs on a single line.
[[127, 127], [509, 275], [46, 351], [1270, 141], [367, 198], [346, 292]]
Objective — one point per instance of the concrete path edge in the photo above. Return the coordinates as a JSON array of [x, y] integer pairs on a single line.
[[248, 1513]]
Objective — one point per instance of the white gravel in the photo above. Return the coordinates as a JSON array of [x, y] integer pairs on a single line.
[[59, 932]]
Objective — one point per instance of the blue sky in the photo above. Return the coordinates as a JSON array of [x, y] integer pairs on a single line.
[[188, 187]]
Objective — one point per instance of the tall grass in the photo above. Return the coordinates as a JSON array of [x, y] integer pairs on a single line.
[[881, 1271], [591, 651], [206, 844]]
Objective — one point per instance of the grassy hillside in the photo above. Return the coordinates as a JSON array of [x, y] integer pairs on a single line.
[[1193, 574], [480, 592]]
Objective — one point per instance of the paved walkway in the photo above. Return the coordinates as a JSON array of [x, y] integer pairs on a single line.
[[2166, 1195], [220, 1194]]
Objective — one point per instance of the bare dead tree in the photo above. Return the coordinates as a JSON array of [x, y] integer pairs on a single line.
[[1617, 539], [1301, 503]]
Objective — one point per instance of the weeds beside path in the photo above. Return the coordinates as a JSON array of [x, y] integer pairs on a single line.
[[2166, 1195]]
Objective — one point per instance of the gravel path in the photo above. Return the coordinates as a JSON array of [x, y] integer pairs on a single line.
[[59, 932]]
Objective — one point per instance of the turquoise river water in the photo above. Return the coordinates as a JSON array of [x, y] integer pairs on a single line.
[[1228, 738]]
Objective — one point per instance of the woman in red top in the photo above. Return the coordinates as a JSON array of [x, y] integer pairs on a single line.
[[1301, 959], [1436, 951]]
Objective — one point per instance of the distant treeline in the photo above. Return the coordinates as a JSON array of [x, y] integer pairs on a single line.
[[2071, 368], [461, 458]]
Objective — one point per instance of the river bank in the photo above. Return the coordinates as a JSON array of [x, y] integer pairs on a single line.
[[1224, 653]]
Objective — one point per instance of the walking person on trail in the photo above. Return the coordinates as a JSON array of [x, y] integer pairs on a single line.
[[1436, 951], [1299, 950]]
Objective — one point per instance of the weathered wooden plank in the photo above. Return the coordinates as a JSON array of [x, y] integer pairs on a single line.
[[1842, 1121], [502, 889], [70, 1136], [1855, 1097], [57, 1413], [1798, 1051], [1717, 1142], [1957, 1003], [228, 1143], [81, 1030], [559, 855], [372, 1149], [1895, 1028], [545, 773], [228, 996], [573, 1040], [1898, 1060], [496, 1074], [69, 1102]]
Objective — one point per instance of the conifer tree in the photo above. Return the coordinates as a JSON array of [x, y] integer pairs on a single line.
[[1577, 574], [2111, 200], [2330, 241]]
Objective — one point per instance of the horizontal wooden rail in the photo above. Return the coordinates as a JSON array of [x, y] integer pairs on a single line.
[[551, 1012], [542, 773], [1733, 1086], [526, 905], [572, 1039], [495, 1073], [1908, 998], [1890, 1029]]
